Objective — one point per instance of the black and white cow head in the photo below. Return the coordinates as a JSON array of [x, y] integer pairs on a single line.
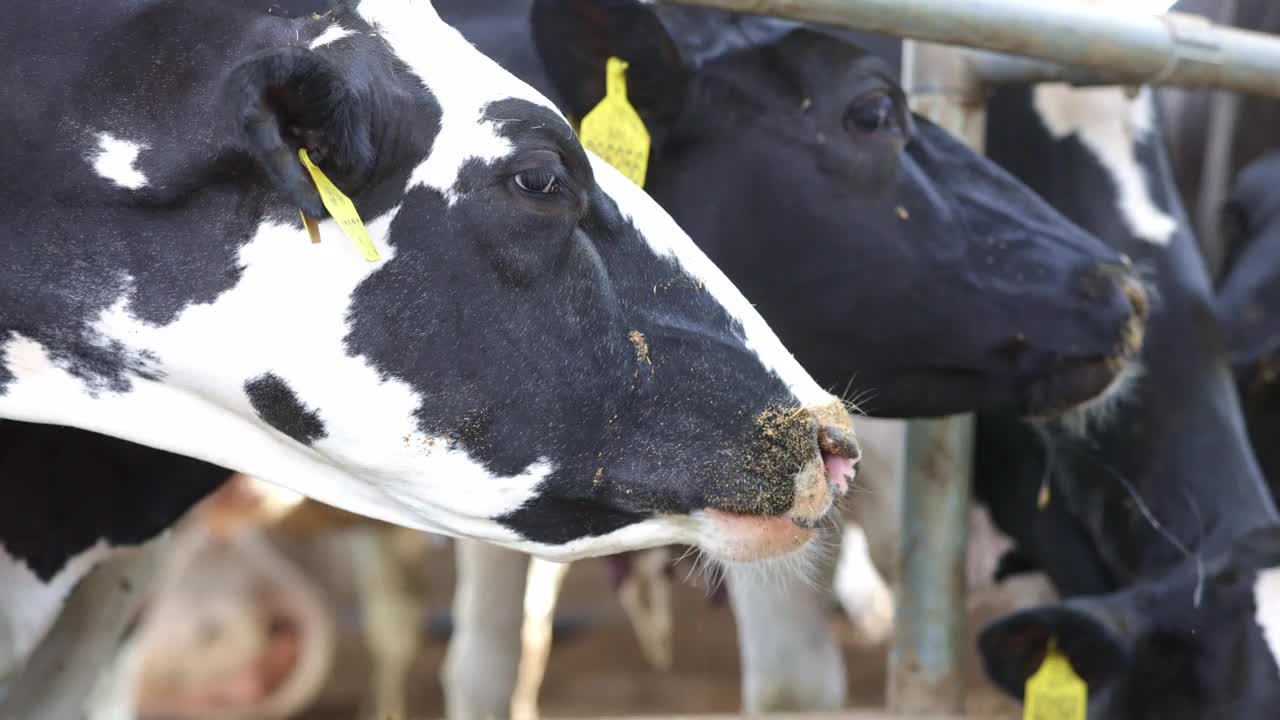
[[540, 358], [865, 234], [1201, 642]]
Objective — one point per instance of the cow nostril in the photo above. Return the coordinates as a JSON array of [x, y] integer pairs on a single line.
[[840, 442]]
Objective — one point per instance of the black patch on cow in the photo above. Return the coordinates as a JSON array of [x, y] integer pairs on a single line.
[[66, 489], [277, 404], [542, 520]]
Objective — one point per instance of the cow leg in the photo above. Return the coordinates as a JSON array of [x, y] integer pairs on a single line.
[[790, 659], [651, 617], [540, 598], [115, 694], [392, 615], [63, 671], [480, 666]]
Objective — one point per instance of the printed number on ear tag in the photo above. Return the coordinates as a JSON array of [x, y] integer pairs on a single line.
[[341, 208], [613, 129], [1055, 692]]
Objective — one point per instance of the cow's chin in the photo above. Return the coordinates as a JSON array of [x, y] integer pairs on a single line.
[[1097, 411], [724, 536], [721, 537], [733, 538], [770, 551]]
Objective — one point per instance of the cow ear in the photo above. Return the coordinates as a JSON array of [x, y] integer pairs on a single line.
[[285, 99], [1014, 647], [576, 38]]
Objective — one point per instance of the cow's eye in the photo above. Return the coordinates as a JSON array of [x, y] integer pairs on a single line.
[[875, 113], [538, 181]]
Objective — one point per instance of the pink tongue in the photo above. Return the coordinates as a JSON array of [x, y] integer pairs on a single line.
[[839, 471]]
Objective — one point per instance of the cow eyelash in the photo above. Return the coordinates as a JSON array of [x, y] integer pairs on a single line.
[[538, 181]]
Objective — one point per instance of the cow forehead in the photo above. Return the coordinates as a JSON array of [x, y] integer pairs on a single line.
[[462, 78], [463, 81]]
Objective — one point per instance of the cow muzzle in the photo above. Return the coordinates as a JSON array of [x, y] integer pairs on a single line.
[[826, 471]]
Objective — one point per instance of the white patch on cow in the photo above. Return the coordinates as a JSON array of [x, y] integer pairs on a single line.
[[28, 605], [668, 240], [1108, 123], [430, 48], [373, 461], [331, 34], [113, 160], [1266, 597]]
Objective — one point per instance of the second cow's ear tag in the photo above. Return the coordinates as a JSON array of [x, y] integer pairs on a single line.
[[1043, 497], [1055, 691], [613, 129]]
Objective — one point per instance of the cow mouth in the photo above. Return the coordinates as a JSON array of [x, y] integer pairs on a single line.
[[1074, 382]]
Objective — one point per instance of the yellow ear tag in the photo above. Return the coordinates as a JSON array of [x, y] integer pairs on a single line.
[[613, 130], [1055, 692], [340, 207]]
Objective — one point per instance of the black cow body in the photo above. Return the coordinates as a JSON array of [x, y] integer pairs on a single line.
[[1158, 529]]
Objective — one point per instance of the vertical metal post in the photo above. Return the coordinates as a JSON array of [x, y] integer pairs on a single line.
[[926, 675], [1215, 178]]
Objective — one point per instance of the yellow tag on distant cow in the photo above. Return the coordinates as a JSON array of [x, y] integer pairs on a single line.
[[1055, 692], [1042, 497], [613, 130], [343, 211]]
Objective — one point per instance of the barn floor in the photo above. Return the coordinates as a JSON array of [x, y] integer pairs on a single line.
[[596, 668]]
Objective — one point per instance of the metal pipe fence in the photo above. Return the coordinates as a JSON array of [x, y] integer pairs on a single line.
[[1124, 46]]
